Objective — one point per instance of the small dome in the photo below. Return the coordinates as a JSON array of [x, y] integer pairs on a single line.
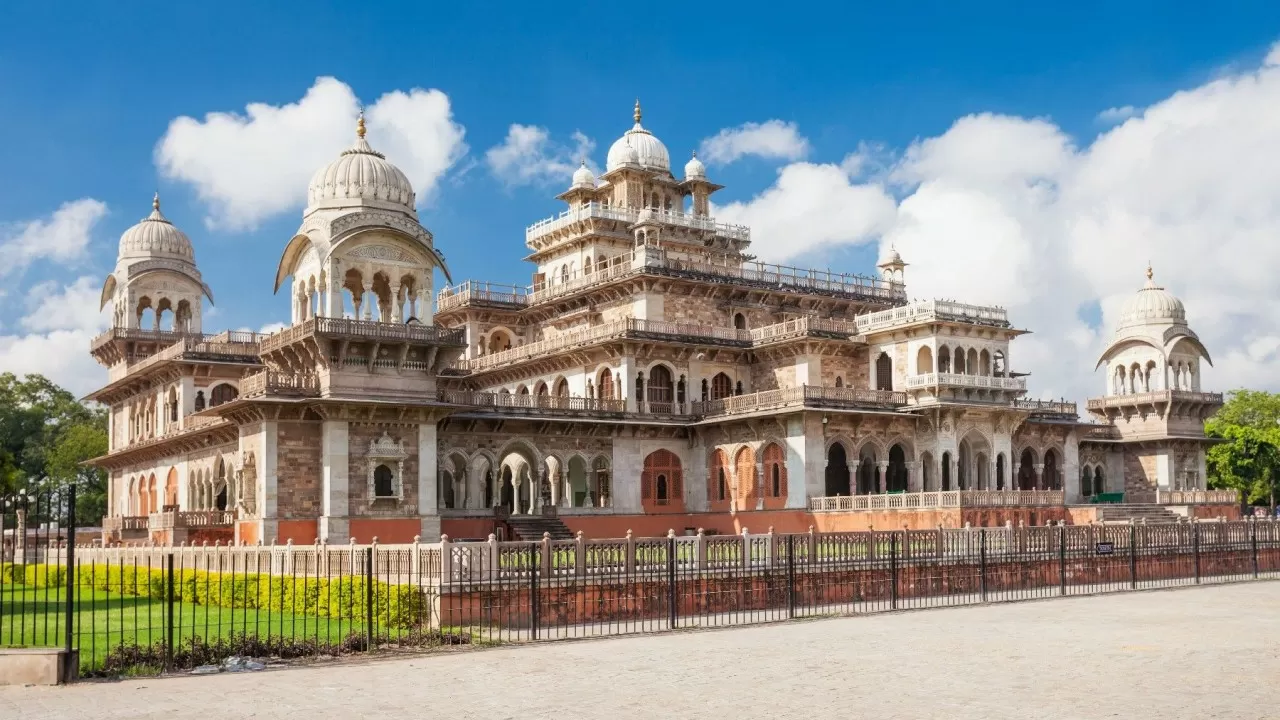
[[1153, 305], [360, 174], [583, 177], [155, 236], [694, 168], [639, 147]]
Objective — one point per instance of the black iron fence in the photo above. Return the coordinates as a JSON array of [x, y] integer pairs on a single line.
[[146, 609]]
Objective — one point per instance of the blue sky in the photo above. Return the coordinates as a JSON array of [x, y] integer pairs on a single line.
[[87, 90]]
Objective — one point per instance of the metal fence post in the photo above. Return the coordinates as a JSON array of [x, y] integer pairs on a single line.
[[893, 570], [1195, 546], [168, 635], [533, 590], [1062, 559], [368, 597], [1253, 543], [791, 575], [1133, 556], [671, 579], [70, 580], [982, 563]]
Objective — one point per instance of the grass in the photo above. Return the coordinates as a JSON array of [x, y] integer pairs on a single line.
[[34, 617]]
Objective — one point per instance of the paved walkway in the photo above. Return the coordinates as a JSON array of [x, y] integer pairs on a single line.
[[1211, 652]]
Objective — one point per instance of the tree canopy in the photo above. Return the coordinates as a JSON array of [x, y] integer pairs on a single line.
[[45, 436], [1248, 459]]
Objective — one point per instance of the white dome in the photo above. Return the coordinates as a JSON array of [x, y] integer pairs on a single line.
[[358, 176], [1153, 305], [694, 168], [155, 236], [583, 177], [639, 147]]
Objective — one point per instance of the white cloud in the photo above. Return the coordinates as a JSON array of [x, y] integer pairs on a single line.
[[1008, 210], [528, 156], [51, 306], [63, 237], [811, 206], [248, 167], [773, 139], [1117, 115]]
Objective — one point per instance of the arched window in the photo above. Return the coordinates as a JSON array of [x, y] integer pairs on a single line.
[[562, 388], [383, 485], [744, 467], [944, 359], [604, 387], [897, 479], [540, 389], [221, 394], [775, 474], [1052, 477], [946, 470], [868, 472], [718, 493], [1027, 470], [662, 471], [1099, 482], [924, 360], [1086, 481], [661, 390], [884, 372], [839, 381], [564, 274], [722, 487], [721, 386], [522, 390], [740, 321], [1000, 472], [587, 266], [957, 362], [199, 400]]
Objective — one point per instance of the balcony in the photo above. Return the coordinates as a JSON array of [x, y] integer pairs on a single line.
[[805, 396], [952, 380], [1184, 497], [504, 401], [931, 311], [366, 330], [270, 383], [171, 519], [1154, 398], [804, 327], [475, 292], [631, 216]]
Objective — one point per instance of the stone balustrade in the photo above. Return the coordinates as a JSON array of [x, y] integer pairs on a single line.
[[933, 310], [1154, 397], [273, 383], [372, 330], [597, 211], [938, 499], [966, 381], [1183, 497]]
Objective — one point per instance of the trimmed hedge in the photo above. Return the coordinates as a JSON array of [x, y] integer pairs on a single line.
[[394, 606]]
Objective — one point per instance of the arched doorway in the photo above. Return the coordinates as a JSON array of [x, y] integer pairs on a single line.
[[946, 470], [744, 467], [662, 482], [1027, 470], [868, 472], [577, 481], [897, 480], [1000, 472], [884, 372], [928, 480], [837, 473], [1052, 472], [721, 386]]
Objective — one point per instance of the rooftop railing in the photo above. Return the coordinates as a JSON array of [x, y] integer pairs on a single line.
[[632, 215], [925, 310], [364, 330], [943, 499], [1048, 407], [651, 259], [271, 382], [532, 402], [805, 395]]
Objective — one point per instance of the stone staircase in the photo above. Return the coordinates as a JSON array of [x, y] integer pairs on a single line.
[[1149, 514], [530, 528]]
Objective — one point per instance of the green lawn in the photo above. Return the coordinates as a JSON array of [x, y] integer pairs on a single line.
[[33, 617]]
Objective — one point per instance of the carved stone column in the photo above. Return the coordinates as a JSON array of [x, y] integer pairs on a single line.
[[882, 479]]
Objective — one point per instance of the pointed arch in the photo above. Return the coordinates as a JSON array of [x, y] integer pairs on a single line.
[[774, 460], [719, 482], [662, 482], [744, 471]]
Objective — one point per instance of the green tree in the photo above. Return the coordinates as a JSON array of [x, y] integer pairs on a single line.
[[45, 436], [1248, 459]]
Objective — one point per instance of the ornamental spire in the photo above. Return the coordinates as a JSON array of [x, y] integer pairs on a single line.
[[155, 202], [636, 114], [360, 125]]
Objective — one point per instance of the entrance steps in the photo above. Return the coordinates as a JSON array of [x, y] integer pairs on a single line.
[[1149, 514], [529, 528]]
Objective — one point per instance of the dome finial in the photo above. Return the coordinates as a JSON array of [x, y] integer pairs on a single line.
[[155, 202], [636, 114], [360, 125], [1150, 275]]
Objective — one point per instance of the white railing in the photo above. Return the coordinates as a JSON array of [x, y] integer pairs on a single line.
[[798, 396], [971, 381], [800, 327], [595, 211], [475, 290], [941, 499], [271, 382], [924, 310], [1184, 497], [538, 402], [1048, 407], [1157, 396], [619, 266]]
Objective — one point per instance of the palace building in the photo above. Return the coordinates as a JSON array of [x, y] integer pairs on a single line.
[[654, 376]]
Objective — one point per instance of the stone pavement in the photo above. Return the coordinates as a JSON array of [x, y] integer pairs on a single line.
[[1209, 652]]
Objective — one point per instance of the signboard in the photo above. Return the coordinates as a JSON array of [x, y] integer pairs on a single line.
[[1106, 548]]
